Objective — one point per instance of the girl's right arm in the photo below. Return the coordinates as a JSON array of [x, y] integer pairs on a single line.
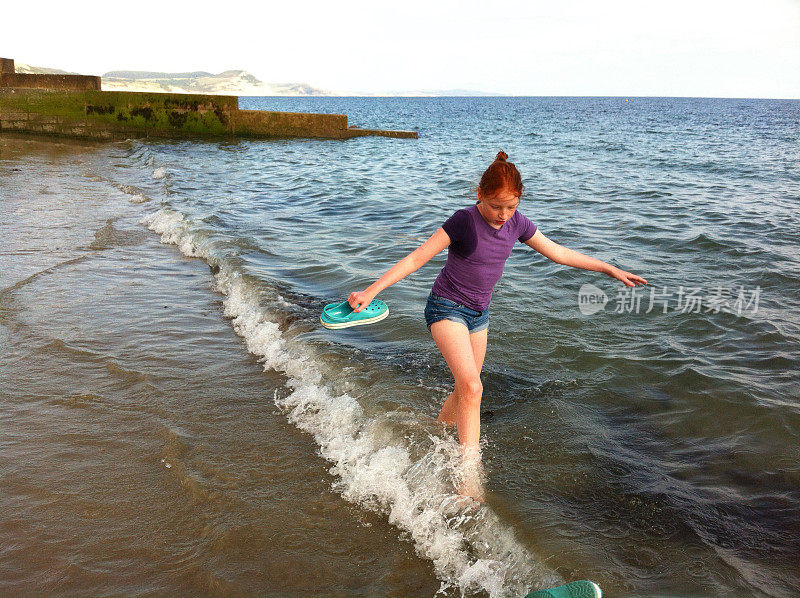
[[411, 263]]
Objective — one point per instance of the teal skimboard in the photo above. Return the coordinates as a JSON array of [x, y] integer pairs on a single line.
[[341, 315], [576, 589]]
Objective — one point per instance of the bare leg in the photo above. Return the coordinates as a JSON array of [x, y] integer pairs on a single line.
[[464, 354], [456, 346], [450, 407]]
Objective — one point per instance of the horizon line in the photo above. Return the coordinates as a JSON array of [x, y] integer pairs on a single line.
[[488, 95]]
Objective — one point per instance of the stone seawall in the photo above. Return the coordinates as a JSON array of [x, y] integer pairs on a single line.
[[9, 77], [114, 114], [127, 114], [36, 81], [262, 123]]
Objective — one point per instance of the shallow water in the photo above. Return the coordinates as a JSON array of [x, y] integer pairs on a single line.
[[175, 420]]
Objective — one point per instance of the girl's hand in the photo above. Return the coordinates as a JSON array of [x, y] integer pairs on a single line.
[[359, 300], [630, 280]]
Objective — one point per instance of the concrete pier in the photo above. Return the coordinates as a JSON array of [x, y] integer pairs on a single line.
[[75, 106]]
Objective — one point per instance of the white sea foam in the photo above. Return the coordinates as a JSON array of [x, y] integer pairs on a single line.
[[139, 198], [160, 172], [471, 552]]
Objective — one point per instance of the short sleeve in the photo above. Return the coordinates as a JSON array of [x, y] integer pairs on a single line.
[[456, 226], [526, 228]]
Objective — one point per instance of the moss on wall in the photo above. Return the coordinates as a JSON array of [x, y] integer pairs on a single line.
[[121, 114], [150, 112]]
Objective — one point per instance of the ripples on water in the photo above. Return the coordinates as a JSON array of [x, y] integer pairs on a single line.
[[653, 452]]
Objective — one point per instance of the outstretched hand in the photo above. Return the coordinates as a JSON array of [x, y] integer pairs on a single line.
[[358, 300], [630, 280]]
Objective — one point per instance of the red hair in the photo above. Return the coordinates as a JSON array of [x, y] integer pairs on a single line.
[[500, 176]]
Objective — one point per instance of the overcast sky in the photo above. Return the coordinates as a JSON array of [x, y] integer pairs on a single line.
[[719, 48]]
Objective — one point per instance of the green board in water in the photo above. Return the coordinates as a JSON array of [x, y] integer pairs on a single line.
[[576, 589]]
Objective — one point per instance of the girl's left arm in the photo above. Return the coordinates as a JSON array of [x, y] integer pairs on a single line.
[[563, 255]]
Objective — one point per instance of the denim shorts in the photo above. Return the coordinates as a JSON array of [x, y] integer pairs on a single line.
[[439, 308]]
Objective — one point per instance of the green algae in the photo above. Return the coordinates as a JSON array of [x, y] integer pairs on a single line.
[[190, 114]]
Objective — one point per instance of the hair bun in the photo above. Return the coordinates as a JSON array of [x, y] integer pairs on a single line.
[[501, 156]]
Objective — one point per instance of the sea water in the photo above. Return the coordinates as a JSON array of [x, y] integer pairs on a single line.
[[175, 420]]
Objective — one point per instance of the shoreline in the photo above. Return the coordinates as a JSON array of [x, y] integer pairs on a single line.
[[146, 450]]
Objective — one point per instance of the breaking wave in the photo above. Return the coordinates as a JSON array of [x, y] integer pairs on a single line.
[[409, 477]]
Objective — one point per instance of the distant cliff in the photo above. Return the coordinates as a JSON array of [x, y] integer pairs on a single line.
[[21, 67], [234, 82]]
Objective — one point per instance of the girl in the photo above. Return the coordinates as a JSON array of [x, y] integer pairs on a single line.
[[480, 239]]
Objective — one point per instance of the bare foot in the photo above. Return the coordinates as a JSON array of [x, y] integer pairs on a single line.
[[473, 489], [468, 505], [471, 474]]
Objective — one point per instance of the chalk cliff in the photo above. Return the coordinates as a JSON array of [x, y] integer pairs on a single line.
[[233, 82]]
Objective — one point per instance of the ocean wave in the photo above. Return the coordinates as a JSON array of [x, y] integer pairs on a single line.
[[28, 279], [703, 242], [409, 477], [650, 194]]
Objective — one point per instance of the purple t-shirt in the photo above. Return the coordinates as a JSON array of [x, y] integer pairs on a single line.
[[476, 255]]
